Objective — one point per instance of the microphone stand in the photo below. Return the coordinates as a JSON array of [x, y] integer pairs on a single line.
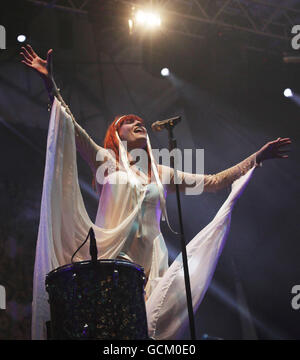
[[173, 145]]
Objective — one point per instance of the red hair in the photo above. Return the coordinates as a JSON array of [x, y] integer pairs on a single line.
[[111, 141]]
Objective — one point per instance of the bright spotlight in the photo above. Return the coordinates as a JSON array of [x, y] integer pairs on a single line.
[[21, 38], [153, 20], [288, 93], [140, 17], [148, 19], [165, 72]]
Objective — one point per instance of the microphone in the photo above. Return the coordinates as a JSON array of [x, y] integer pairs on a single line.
[[160, 125], [93, 246]]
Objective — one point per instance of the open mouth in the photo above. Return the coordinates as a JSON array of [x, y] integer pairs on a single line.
[[139, 130]]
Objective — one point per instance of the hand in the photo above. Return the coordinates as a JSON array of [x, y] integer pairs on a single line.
[[273, 150], [32, 60]]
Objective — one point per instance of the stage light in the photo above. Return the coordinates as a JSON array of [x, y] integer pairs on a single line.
[[21, 38], [153, 20], [149, 19], [165, 72], [288, 93], [140, 17], [130, 24]]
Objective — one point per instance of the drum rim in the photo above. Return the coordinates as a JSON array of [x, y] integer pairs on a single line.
[[78, 264]]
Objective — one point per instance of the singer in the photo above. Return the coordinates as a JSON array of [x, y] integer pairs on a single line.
[[127, 224]]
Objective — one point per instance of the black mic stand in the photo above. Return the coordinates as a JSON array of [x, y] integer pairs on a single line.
[[173, 145]]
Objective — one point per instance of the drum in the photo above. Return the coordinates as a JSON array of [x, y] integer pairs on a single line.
[[97, 300]]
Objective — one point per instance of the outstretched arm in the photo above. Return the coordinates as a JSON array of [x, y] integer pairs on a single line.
[[84, 144], [223, 179]]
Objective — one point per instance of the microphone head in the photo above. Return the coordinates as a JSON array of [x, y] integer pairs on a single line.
[[160, 125], [156, 127]]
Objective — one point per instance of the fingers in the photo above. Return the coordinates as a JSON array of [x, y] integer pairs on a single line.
[[31, 51], [285, 141], [26, 51], [26, 63], [276, 148], [282, 154], [25, 58], [281, 146], [26, 54], [283, 151], [281, 140], [49, 56]]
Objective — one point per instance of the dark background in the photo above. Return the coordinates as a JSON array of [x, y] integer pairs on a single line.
[[228, 86]]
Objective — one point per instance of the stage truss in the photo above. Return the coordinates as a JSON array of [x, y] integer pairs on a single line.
[[271, 19]]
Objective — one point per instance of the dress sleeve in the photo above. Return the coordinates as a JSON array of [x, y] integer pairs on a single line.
[[86, 146], [197, 183]]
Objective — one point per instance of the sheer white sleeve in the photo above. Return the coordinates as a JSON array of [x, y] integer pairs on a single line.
[[197, 183], [86, 146]]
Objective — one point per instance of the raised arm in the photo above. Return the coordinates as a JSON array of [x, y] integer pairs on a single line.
[[196, 183], [84, 144]]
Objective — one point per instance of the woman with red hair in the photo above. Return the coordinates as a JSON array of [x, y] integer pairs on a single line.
[[132, 201]]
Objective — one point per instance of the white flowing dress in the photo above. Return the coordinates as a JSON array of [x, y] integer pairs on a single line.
[[126, 226]]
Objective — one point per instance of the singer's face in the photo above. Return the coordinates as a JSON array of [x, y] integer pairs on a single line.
[[134, 132]]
